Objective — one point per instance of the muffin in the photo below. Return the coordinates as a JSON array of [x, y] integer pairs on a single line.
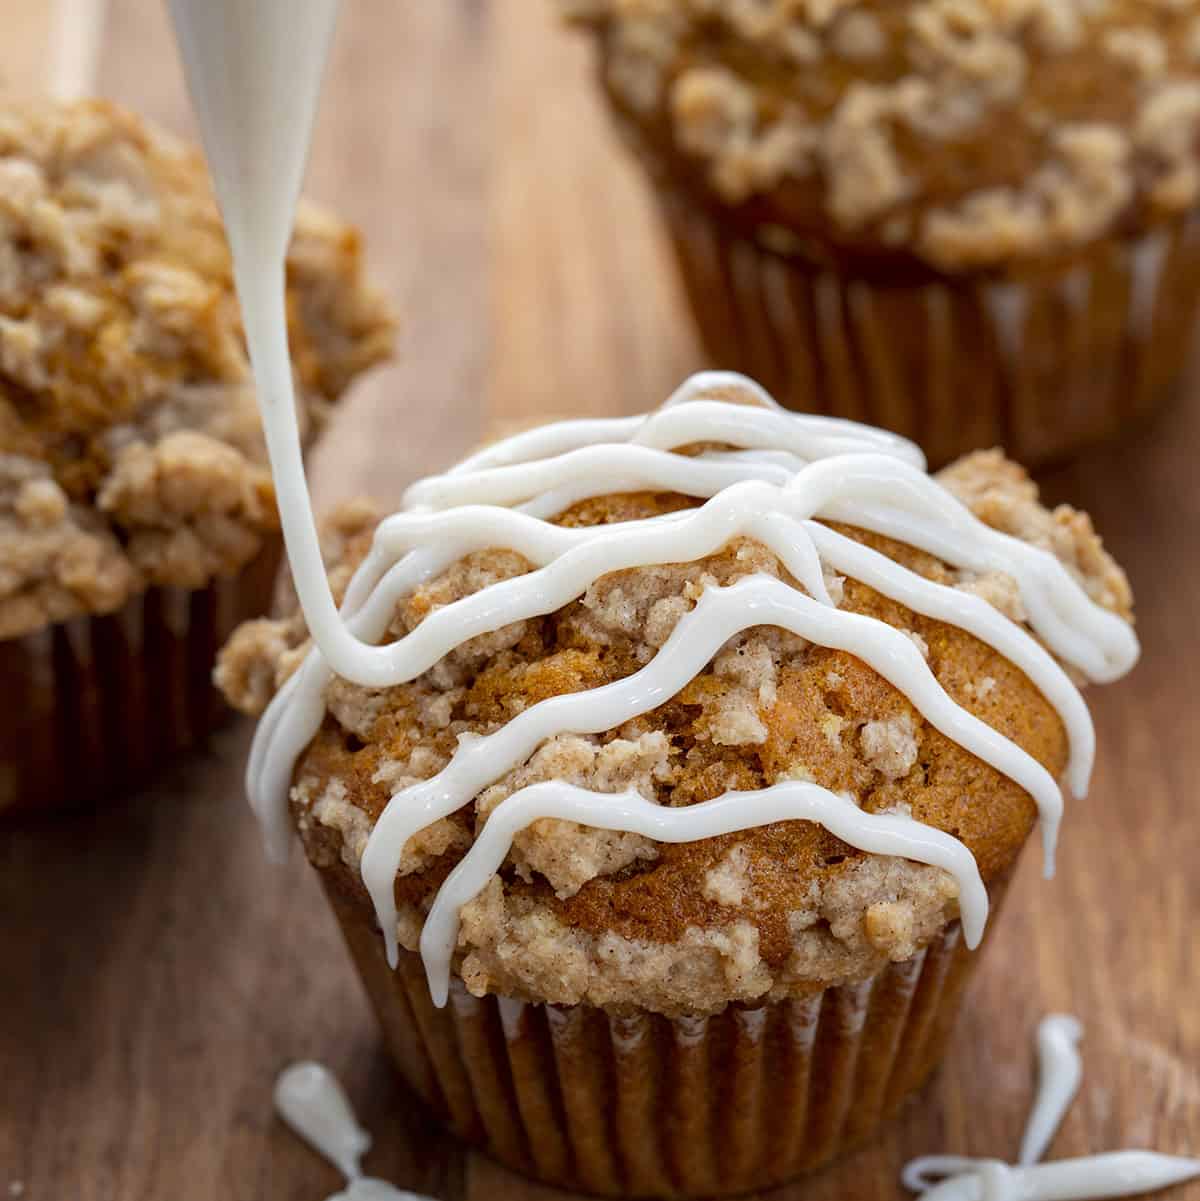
[[970, 221], [137, 517], [678, 871]]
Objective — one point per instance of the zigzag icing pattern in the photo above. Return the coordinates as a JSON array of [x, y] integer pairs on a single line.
[[774, 478]]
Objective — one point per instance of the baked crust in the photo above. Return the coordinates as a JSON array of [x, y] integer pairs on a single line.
[[952, 134], [130, 448], [608, 918]]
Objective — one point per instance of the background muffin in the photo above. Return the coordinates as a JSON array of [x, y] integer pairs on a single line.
[[619, 1000], [137, 518], [967, 221]]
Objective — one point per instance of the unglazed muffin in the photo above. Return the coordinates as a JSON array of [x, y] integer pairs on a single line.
[[971, 221], [640, 1015], [137, 517]]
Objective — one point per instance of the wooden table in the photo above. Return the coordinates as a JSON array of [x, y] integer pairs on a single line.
[[156, 973]]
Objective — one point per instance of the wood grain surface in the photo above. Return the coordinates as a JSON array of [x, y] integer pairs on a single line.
[[154, 972]]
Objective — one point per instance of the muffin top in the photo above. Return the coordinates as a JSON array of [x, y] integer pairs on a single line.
[[959, 134], [595, 910], [130, 448]]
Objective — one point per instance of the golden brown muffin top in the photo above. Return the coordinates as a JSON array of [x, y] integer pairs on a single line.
[[130, 447], [963, 133], [580, 914]]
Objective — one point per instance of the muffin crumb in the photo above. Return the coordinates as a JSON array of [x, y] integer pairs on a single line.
[[890, 746], [729, 882]]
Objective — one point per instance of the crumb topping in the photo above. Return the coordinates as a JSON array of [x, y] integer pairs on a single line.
[[969, 133], [578, 914], [130, 448]]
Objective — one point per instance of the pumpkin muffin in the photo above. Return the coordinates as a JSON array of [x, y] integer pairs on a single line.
[[634, 1017], [137, 516], [970, 221]]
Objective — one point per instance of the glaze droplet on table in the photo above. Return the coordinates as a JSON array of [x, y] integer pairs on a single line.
[[310, 1100], [1086, 1178]]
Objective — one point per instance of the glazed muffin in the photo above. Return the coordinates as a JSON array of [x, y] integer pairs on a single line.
[[972, 222], [640, 1003], [137, 517]]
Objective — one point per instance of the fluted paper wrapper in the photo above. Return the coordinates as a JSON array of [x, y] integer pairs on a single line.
[[1043, 364], [639, 1105], [93, 705]]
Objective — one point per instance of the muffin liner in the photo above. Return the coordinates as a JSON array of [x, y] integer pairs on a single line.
[[631, 1103], [1041, 364], [93, 705]]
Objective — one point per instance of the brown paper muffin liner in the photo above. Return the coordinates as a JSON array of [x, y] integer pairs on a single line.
[[1041, 364], [639, 1105], [93, 705]]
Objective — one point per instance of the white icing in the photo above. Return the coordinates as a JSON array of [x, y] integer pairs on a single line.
[[1089, 1178], [775, 511], [880, 833], [1111, 1174], [76, 34], [367, 1188], [254, 71], [1060, 1070], [311, 1101], [751, 495]]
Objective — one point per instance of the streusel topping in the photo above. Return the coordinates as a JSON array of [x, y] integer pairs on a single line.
[[130, 447], [970, 133]]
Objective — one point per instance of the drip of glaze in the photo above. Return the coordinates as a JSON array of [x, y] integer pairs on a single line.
[[310, 1100], [254, 71], [880, 833], [1111, 1174]]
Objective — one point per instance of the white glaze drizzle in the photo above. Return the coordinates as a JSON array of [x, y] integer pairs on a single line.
[[1088, 1178], [254, 72], [777, 510], [310, 1100], [881, 833], [750, 492], [76, 35], [1111, 1174]]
